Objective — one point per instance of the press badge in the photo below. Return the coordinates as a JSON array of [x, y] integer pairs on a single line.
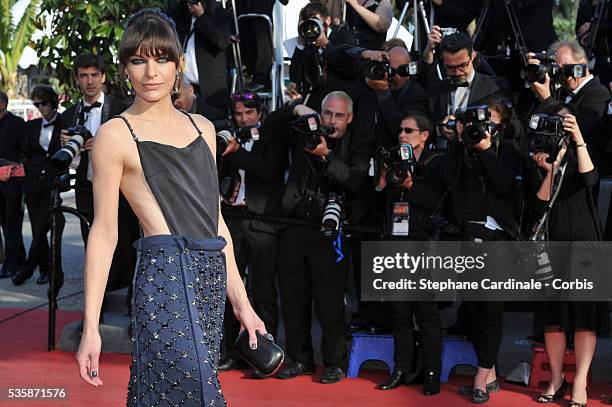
[[401, 217]]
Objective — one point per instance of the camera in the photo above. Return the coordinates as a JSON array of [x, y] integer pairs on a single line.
[[537, 72], [376, 70], [477, 122], [546, 135], [311, 29], [332, 215], [309, 130], [61, 160], [399, 160]]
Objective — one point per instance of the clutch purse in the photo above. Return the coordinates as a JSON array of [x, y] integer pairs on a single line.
[[267, 358]]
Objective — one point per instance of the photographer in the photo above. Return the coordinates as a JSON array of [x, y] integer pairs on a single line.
[[480, 175], [252, 169], [412, 196], [579, 89], [325, 176], [315, 68], [187, 100], [204, 29], [41, 140], [398, 94], [463, 86], [83, 119], [11, 194], [569, 182]]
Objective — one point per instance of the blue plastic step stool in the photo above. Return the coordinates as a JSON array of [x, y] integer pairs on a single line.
[[455, 352], [370, 347]]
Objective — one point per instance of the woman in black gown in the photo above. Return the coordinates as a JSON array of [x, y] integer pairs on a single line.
[[572, 218]]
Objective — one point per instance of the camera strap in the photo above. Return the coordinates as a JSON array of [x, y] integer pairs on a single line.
[[541, 227]]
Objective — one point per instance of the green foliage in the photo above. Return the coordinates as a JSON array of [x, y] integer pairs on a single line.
[[13, 40], [564, 18], [85, 26]]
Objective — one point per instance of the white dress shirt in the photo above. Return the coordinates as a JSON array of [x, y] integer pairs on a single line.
[[459, 97], [241, 198], [46, 133], [573, 93], [191, 71]]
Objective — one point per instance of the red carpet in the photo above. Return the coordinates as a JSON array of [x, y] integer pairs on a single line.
[[24, 362]]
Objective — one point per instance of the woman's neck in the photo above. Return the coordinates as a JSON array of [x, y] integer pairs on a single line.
[[160, 111]]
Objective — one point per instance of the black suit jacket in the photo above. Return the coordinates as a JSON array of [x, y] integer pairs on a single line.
[[36, 158], [591, 103], [212, 39], [112, 107], [264, 169], [484, 87], [11, 134]]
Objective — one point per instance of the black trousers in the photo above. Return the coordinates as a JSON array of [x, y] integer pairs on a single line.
[[258, 250], [430, 329], [39, 254], [308, 273], [485, 319], [11, 219], [256, 49]]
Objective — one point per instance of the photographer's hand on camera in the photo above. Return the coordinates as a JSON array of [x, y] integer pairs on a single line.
[[448, 132], [303, 110], [541, 90], [321, 150], [570, 125], [484, 144], [232, 147], [381, 84]]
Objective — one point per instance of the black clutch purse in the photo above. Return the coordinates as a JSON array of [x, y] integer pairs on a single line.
[[267, 358]]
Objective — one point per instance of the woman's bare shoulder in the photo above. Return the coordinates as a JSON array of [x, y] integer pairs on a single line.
[[208, 130], [114, 135]]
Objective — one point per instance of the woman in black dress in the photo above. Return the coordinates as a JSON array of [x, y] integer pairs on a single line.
[[572, 218]]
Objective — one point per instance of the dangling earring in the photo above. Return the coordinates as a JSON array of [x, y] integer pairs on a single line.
[[128, 86], [177, 83]]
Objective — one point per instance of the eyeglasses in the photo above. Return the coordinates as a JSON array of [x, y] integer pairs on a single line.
[[38, 104], [243, 96], [328, 114], [460, 67], [408, 130]]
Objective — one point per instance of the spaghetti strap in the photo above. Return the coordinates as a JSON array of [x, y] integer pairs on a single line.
[[128, 125], [192, 121]]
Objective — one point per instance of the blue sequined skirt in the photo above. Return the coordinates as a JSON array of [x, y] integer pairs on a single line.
[[177, 319]]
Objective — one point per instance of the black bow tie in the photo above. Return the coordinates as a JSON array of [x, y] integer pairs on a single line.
[[455, 86], [88, 109], [49, 124]]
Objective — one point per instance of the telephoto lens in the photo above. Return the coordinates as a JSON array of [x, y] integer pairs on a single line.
[[310, 29], [330, 224], [60, 162], [223, 139]]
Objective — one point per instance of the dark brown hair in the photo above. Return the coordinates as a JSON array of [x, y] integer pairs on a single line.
[[150, 33], [45, 93]]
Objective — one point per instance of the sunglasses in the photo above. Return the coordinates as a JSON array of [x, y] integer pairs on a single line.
[[244, 96], [408, 130], [459, 67], [38, 104]]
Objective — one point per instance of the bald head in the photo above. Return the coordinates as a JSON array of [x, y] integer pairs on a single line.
[[398, 56]]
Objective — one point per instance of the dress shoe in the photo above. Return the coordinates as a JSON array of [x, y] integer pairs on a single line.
[[479, 396], [7, 273], [332, 375], [43, 279], [231, 363], [431, 384], [492, 387], [294, 370], [22, 276], [397, 378]]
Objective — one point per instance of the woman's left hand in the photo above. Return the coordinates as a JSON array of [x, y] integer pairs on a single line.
[[570, 125], [251, 322]]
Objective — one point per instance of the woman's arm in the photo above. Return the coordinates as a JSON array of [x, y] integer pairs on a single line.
[[585, 164], [107, 160], [379, 21]]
